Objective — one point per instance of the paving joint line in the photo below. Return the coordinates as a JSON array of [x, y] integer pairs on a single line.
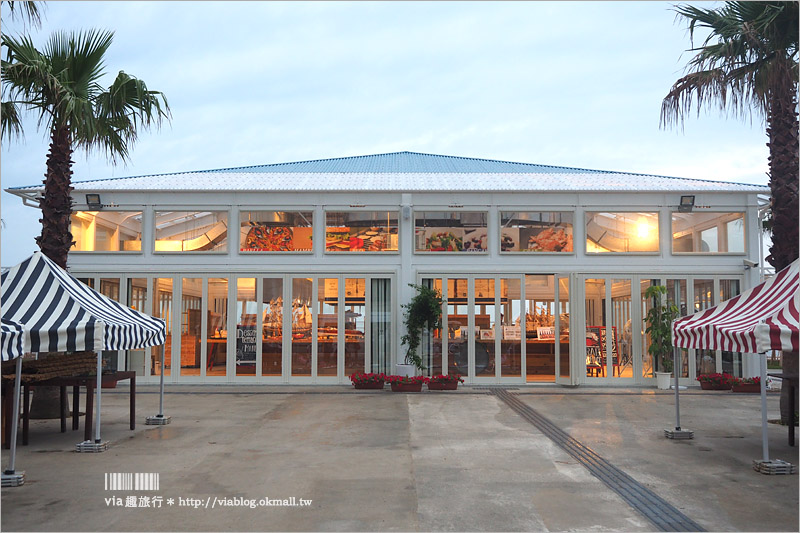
[[658, 511]]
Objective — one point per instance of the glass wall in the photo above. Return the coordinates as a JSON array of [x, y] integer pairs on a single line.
[[246, 327], [708, 232], [431, 345], [540, 355], [272, 329], [355, 328], [217, 337], [381, 325], [535, 231], [485, 327], [563, 327], [191, 231], [137, 299], [510, 330], [621, 232], [302, 291], [361, 231], [621, 329], [705, 360], [731, 361], [596, 338], [162, 308], [451, 231], [191, 326], [275, 231], [106, 231], [457, 326], [327, 312]]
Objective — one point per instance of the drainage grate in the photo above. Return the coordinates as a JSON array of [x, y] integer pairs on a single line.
[[660, 512]]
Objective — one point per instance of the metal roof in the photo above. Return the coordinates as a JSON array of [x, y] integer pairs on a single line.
[[405, 172]]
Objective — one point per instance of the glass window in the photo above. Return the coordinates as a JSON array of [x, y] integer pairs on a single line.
[[137, 299], [708, 232], [191, 326], [485, 327], [106, 231], [511, 328], [381, 325], [162, 308], [217, 341], [191, 231], [540, 336], [621, 232], [302, 306], [272, 333], [275, 231], [438, 231], [327, 311], [361, 231], [457, 326], [246, 327], [535, 231]]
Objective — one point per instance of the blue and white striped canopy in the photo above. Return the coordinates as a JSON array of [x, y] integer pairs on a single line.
[[62, 314], [14, 340]]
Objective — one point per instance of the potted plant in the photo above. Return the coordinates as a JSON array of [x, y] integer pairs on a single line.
[[362, 380], [406, 383], [442, 382], [746, 384], [715, 381], [659, 327], [422, 313]]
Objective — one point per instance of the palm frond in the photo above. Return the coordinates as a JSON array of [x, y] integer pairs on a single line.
[[11, 122], [26, 9], [750, 48]]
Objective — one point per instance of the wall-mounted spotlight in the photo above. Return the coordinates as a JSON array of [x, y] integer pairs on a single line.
[[93, 201], [687, 204]]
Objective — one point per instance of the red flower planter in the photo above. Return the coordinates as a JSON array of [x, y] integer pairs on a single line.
[[747, 387], [443, 385], [372, 385], [706, 385], [407, 387]]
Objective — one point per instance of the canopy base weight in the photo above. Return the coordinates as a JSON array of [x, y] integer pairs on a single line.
[[158, 420], [13, 480], [679, 434], [774, 467], [89, 446]]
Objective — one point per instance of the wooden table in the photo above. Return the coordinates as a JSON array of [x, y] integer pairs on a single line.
[[76, 382]]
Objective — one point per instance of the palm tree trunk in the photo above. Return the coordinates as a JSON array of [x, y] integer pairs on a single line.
[[783, 161], [783, 170], [56, 238]]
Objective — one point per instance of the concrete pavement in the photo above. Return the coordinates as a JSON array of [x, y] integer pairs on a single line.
[[450, 461]]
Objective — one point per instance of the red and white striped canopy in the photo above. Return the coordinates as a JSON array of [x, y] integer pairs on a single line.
[[760, 319]]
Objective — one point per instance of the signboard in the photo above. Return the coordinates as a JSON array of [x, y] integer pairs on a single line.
[[246, 338]]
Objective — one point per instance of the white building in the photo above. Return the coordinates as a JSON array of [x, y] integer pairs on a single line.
[[296, 272]]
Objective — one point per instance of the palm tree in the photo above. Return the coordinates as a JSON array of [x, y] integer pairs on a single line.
[[748, 62], [60, 84]]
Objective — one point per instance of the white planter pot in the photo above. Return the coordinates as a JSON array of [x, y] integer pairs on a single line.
[[406, 370], [663, 380]]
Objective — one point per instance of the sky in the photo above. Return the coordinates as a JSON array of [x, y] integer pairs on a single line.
[[576, 84]]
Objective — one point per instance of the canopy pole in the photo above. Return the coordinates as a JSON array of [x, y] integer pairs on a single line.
[[764, 437], [99, 388], [161, 386], [160, 419], [677, 358], [15, 420]]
